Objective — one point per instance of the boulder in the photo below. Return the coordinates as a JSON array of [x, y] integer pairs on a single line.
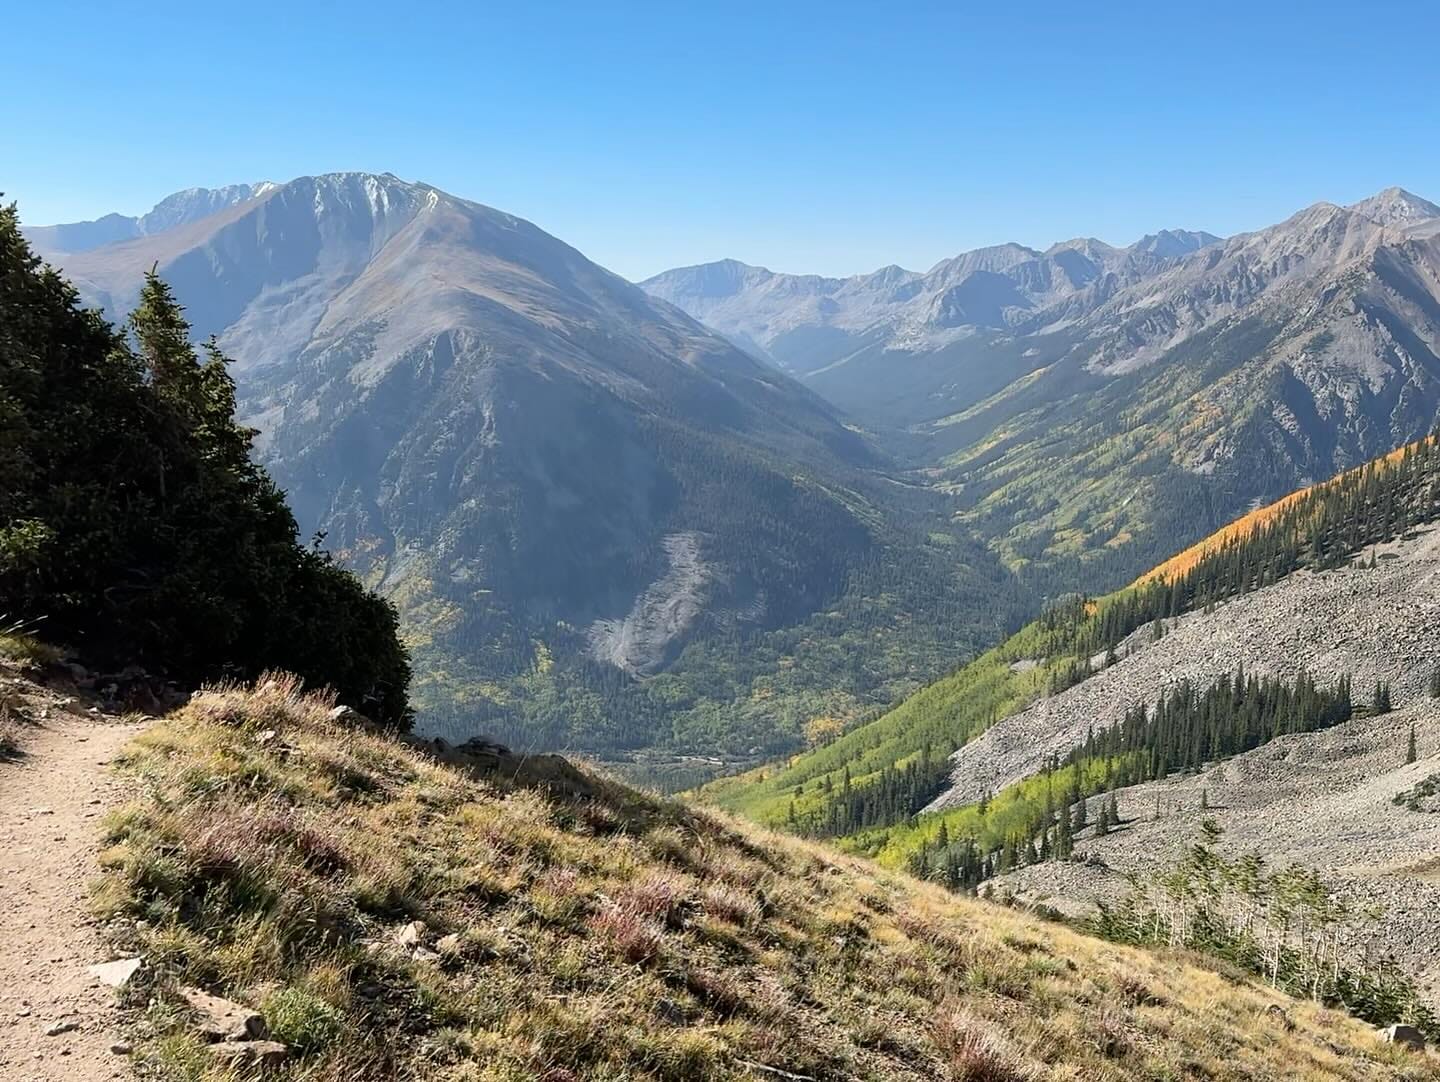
[[348, 715], [1400, 1033], [412, 935], [224, 1019], [257, 1056], [116, 974]]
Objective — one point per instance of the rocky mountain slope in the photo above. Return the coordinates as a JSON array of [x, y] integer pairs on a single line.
[[1335, 801], [1380, 623], [178, 209], [807, 323], [565, 484], [1099, 408], [516, 917]]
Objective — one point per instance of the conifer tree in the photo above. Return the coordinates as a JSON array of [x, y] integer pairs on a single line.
[[1411, 752]]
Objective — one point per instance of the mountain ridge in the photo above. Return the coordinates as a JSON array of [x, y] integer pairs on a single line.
[[566, 483]]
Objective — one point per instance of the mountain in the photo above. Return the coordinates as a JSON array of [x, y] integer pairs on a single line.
[[605, 526], [386, 910], [805, 322], [181, 208], [1096, 408]]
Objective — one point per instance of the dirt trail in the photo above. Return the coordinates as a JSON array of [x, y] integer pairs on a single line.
[[51, 800]]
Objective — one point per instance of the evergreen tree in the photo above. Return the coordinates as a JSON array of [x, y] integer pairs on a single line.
[[1411, 752], [134, 520], [1380, 701]]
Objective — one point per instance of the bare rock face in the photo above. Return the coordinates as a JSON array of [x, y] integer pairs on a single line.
[[223, 1019], [1405, 1035]]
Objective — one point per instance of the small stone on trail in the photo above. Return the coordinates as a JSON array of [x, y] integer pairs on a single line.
[[116, 974], [68, 1025], [122, 1048]]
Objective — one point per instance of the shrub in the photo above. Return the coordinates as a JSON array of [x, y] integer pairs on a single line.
[[303, 1021]]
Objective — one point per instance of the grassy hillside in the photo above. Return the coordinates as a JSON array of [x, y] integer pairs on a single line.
[[883, 772], [576, 929]]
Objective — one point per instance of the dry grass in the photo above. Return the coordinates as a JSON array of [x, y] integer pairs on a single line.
[[18, 646], [601, 934]]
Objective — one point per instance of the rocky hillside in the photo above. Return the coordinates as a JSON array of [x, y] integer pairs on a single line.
[[337, 904], [564, 484], [1374, 624]]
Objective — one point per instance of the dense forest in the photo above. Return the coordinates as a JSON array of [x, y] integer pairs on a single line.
[[1186, 728], [135, 526], [882, 773]]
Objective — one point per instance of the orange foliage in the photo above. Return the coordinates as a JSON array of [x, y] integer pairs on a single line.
[[1247, 524]]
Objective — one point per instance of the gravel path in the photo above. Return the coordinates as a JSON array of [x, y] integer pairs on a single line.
[[51, 798]]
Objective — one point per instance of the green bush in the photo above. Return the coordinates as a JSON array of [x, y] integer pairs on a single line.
[[303, 1021]]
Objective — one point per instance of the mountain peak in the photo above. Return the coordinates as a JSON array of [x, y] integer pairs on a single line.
[[1396, 206]]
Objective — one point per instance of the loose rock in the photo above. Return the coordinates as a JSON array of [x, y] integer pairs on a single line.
[[116, 974], [224, 1019], [1405, 1035]]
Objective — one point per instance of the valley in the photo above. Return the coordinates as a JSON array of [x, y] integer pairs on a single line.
[[772, 547]]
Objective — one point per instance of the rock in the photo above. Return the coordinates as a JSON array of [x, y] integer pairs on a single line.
[[223, 1019], [265, 736], [122, 1048], [1399, 1033], [68, 1025], [425, 954], [116, 974], [479, 745], [450, 944], [347, 715], [411, 935], [261, 1056]]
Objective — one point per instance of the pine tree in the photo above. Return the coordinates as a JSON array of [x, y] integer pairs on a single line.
[[1411, 752], [1380, 700], [1204, 799], [1435, 681]]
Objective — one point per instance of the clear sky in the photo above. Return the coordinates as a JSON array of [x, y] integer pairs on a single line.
[[828, 136]]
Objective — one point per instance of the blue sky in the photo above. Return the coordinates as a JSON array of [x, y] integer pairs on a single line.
[[827, 137]]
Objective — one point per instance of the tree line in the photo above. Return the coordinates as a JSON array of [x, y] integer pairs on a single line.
[[1186, 727]]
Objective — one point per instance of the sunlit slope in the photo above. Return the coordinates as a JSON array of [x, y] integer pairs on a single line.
[[397, 917], [905, 749]]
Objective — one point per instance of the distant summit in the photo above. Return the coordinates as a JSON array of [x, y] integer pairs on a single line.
[[181, 208], [1396, 206]]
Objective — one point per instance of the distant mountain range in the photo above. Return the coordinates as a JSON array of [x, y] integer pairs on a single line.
[[805, 322], [1100, 406], [606, 527]]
